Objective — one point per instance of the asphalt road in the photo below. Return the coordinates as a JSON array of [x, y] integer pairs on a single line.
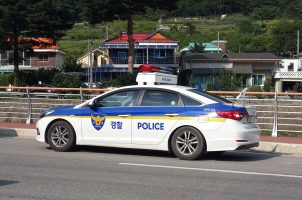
[[30, 170]]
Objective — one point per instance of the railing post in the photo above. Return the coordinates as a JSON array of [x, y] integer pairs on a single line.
[[28, 120], [81, 94], [275, 126]]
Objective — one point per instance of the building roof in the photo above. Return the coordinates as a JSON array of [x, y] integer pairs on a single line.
[[38, 43], [154, 37], [95, 51], [231, 57]]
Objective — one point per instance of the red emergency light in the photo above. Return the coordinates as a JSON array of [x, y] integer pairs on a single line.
[[152, 68]]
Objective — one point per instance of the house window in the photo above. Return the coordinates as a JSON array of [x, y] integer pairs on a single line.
[[258, 79], [10, 58], [43, 57], [290, 67], [122, 55], [246, 80], [159, 53]]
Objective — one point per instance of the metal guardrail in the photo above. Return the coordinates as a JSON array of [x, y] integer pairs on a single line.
[[24, 104], [276, 112]]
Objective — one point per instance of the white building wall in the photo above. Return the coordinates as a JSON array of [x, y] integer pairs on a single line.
[[285, 65]]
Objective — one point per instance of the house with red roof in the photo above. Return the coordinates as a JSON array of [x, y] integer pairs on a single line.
[[45, 54], [149, 48]]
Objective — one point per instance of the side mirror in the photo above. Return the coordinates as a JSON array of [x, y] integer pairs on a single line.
[[92, 104]]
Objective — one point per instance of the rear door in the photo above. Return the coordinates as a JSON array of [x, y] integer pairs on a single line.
[[158, 111]]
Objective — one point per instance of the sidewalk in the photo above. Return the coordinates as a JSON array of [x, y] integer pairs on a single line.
[[285, 145]]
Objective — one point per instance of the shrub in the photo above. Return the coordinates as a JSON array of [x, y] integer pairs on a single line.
[[69, 80], [33, 77], [268, 85], [123, 80], [6, 79], [228, 82], [255, 88]]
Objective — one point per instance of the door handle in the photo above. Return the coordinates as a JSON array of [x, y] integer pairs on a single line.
[[172, 114], [124, 115]]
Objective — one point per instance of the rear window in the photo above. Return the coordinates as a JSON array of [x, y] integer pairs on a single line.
[[190, 102], [213, 97]]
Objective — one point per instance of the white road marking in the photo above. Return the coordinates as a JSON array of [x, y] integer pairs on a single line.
[[213, 170]]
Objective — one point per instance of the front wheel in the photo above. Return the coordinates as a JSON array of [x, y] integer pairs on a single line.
[[187, 143], [61, 136]]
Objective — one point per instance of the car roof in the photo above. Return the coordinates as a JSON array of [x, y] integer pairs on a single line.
[[171, 87], [177, 88]]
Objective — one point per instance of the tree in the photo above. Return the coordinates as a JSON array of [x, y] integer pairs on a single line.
[[71, 65], [34, 18], [294, 9], [3, 21], [266, 13], [191, 28], [285, 36], [17, 22], [197, 48]]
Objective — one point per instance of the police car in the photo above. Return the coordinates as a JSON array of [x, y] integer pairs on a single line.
[[183, 120]]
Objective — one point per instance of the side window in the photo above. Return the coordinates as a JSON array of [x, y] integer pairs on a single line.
[[119, 99], [159, 98], [190, 102]]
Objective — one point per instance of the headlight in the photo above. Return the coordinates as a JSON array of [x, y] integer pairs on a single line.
[[45, 113]]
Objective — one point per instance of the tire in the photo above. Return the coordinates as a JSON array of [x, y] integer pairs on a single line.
[[187, 143], [61, 136]]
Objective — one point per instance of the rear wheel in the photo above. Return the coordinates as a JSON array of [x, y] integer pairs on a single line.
[[188, 143], [61, 136]]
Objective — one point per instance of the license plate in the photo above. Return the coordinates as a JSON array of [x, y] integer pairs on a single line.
[[251, 119]]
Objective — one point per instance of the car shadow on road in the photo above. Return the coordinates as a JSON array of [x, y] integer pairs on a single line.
[[7, 132], [240, 156], [7, 182], [124, 151], [234, 156]]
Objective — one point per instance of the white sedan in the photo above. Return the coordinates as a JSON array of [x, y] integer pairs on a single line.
[[183, 120]]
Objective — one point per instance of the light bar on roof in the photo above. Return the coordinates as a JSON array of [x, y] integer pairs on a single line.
[[153, 68]]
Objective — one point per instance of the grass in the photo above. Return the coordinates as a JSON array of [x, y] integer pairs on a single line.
[[74, 43], [282, 133]]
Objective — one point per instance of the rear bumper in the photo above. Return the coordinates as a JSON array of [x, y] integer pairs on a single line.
[[234, 140]]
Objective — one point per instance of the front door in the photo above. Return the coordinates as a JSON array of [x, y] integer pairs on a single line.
[[110, 120]]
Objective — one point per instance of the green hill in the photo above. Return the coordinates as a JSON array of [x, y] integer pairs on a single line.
[[243, 34]]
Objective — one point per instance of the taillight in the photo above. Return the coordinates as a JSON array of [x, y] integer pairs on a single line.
[[231, 114]]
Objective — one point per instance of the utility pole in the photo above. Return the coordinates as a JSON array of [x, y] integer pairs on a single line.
[[298, 42], [91, 63], [218, 43], [88, 57], [106, 31]]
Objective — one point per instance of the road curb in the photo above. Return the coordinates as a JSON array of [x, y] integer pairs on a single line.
[[271, 147], [283, 148]]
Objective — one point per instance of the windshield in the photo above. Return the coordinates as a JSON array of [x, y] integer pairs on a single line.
[[213, 97]]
